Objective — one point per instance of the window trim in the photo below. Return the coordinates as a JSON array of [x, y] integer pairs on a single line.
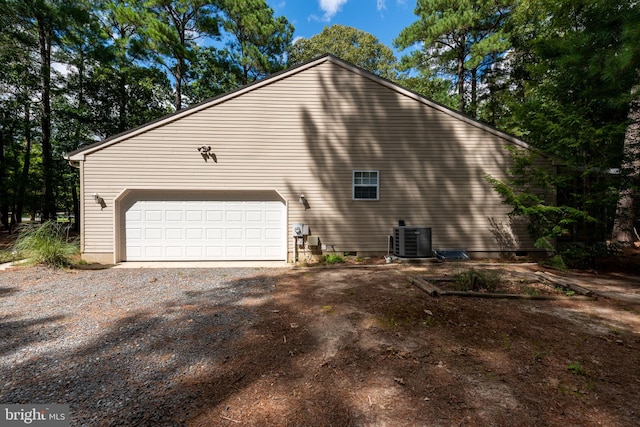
[[353, 184]]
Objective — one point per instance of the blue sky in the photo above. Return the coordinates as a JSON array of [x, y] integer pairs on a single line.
[[382, 18]]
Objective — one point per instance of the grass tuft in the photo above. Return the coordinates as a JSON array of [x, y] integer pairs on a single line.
[[6, 256], [333, 259], [46, 244]]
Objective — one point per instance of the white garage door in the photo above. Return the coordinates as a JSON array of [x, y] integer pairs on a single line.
[[205, 230]]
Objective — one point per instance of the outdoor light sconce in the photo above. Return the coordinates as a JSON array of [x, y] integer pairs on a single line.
[[303, 201], [99, 200], [206, 153]]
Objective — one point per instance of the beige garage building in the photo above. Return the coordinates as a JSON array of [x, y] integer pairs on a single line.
[[325, 149]]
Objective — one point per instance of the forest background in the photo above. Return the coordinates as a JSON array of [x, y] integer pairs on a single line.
[[562, 75]]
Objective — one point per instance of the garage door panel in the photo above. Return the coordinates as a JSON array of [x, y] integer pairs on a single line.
[[273, 216], [214, 233], [174, 233], [253, 251], [272, 251], [253, 234], [174, 251], [272, 234], [153, 234], [234, 215], [195, 234], [134, 233], [214, 252], [234, 233], [214, 215], [194, 215], [154, 215], [153, 252], [234, 252], [134, 251], [205, 230], [254, 216], [133, 215], [194, 252], [174, 216]]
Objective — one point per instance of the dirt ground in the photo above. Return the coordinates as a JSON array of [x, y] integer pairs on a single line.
[[363, 346]]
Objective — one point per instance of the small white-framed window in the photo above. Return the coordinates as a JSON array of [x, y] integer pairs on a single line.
[[366, 185]]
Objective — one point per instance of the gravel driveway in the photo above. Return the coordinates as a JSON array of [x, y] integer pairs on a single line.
[[121, 346]]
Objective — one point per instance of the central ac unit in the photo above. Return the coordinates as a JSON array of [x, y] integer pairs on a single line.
[[412, 242]]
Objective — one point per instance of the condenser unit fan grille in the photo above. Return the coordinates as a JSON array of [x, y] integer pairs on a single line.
[[412, 242]]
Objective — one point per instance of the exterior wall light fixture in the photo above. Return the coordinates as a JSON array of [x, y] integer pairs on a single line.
[[303, 201], [99, 200]]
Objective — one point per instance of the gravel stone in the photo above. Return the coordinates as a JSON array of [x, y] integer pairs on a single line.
[[120, 345]]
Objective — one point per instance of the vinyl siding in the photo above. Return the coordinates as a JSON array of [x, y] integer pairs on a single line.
[[305, 134]]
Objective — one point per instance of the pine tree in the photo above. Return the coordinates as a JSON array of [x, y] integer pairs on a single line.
[[172, 29], [456, 39], [258, 40]]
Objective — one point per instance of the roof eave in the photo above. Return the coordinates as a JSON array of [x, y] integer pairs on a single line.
[[74, 157]]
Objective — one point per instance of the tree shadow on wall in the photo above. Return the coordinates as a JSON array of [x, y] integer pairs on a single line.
[[431, 172]]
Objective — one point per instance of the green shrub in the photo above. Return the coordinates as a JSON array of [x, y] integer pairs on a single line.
[[477, 279], [46, 244], [579, 256], [333, 259], [576, 256], [523, 190], [556, 262]]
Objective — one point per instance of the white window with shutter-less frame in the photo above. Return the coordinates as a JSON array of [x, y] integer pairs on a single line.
[[366, 185]]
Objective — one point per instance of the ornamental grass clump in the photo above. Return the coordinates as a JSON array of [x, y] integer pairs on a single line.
[[333, 259], [46, 244]]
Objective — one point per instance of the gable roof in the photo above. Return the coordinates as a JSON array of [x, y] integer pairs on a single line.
[[79, 154]]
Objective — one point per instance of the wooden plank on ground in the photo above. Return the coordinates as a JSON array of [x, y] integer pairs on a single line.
[[513, 296], [566, 282], [425, 286]]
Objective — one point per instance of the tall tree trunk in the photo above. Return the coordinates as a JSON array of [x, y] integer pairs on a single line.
[[492, 104], [122, 100], [4, 197], [623, 231], [82, 104], [76, 209], [44, 38], [474, 93], [24, 179], [178, 77], [460, 73]]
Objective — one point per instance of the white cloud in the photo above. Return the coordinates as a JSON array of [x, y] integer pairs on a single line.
[[330, 8], [63, 69], [381, 5]]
